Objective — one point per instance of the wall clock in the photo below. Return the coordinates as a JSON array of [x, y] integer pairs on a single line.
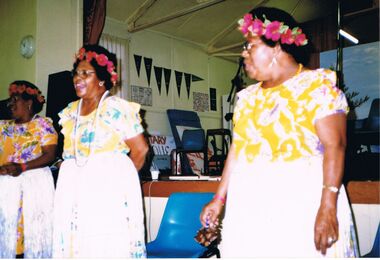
[[27, 46]]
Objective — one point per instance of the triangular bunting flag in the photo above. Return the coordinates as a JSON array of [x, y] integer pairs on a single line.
[[158, 74], [195, 78], [188, 83], [148, 68], [167, 73], [137, 63], [178, 79]]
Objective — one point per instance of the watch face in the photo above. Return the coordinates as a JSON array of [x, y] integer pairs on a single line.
[[27, 46]]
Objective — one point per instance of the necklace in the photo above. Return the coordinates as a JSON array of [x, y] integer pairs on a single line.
[[94, 123]]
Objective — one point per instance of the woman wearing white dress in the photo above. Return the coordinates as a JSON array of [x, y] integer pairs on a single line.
[[27, 145], [281, 185], [98, 204]]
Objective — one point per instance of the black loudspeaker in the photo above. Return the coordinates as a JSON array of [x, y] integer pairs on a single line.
[[5, 112], [60, 93]]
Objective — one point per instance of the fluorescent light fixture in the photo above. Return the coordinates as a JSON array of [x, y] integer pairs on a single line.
[[348, 36]]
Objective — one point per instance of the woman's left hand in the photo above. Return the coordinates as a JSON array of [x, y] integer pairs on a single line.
[[331, 131], [12, 169], [326, 230]]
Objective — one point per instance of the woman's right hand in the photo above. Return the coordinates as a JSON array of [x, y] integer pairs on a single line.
[[210, 214], [3, 170], [11, 169]]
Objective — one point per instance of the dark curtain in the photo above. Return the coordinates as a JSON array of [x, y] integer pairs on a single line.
[[323, 35], [94, 16]]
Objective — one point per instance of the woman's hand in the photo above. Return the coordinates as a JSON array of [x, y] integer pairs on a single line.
[[210, 214], [326, 231], [331, 131], [3, 170], [12, 169]]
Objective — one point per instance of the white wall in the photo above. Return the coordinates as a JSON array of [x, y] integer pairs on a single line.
[[174, 54], [59, 36]]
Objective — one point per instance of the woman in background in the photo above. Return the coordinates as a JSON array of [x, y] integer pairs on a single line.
[[284, 170], [27, 146], [98, 203]]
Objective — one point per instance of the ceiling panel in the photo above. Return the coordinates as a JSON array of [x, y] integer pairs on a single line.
[[207, 27]]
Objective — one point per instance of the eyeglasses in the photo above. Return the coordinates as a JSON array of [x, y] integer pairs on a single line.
[[82, 73], [12, 100], [247, 46]]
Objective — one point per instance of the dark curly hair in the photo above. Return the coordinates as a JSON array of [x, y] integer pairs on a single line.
[[37, 105], [101, 71], [300, 53]]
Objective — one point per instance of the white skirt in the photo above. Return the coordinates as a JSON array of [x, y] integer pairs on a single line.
[[36, 189], [271, 210], [98, 210]]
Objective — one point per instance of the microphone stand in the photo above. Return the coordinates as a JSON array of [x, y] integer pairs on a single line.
[[236, 83]]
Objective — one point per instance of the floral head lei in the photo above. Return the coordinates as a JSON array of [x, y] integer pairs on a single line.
[[101, 60], [272, 30], [20, 89]]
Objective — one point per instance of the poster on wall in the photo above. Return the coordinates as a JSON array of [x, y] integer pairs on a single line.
[[141, 95], [360, 70], [213, 99], [162, 148], [200, 102]]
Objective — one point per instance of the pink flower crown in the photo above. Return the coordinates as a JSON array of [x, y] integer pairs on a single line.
[[101, 59], [20, 89], [271, 30]]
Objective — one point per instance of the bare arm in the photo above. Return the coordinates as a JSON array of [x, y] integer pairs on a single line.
[[139, 149], [15, 169], [212, 211], [331, 130]]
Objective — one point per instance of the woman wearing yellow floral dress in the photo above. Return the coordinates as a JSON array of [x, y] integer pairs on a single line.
[[27, 145], [283, 173], [98, 204]]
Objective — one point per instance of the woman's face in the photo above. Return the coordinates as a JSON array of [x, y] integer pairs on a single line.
[[86, 82], [19, 107], [257, 57]]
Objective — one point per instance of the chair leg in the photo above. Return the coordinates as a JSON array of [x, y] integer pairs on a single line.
[[210, 253]]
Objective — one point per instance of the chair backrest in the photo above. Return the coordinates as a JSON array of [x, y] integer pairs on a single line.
[[373, 121], [375, 251], [374, 109], [180, 221], [181, 120], [193, 139], [224, 144]]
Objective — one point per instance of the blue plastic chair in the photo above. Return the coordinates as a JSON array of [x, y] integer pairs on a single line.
[[179, 225], [375, 251]]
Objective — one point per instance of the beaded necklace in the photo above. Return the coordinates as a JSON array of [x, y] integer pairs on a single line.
[[94, 123]]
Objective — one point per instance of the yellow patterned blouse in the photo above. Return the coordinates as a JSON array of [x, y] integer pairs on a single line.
[[279, 123], [20, 143], [118, 120]]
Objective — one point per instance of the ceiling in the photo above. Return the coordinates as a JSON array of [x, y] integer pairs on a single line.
[[212, 24]]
